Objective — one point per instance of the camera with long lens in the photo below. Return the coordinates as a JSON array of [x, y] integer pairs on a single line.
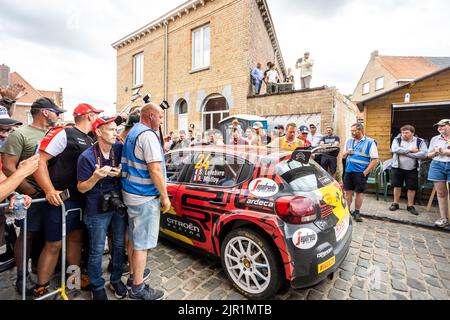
[[111, 201]]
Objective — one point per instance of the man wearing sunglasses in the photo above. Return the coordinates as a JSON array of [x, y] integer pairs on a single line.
[[21, 145]]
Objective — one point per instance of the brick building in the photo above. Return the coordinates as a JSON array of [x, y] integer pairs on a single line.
[[384, 73], [199, 57], [23, 105]]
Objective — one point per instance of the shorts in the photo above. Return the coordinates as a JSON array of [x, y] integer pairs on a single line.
[[143, 229], [409, 178], [439, 171], [355, 181], [35, 218], [329, 164], [53, 220]]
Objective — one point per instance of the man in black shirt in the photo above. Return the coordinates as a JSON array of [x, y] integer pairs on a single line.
[[329, 162], [59, 152]]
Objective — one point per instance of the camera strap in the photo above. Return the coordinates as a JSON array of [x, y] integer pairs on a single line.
[[98, 161]]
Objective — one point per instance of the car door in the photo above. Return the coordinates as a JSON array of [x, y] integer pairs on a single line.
[[209, 191]]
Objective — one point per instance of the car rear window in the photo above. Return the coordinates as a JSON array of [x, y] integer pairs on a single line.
[[303, 177]]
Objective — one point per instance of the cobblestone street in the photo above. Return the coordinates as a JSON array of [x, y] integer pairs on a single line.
[[386, 261]]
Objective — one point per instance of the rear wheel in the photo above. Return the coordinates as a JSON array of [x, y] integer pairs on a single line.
[[251, 264]]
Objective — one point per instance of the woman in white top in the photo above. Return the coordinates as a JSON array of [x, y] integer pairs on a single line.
[[439, 171], [272, 79]]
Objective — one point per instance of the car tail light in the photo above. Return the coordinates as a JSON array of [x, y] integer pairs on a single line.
[[296, 210]]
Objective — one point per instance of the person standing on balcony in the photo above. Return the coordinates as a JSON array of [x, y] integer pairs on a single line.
[[257, 78], [306, 65], [408, 150]]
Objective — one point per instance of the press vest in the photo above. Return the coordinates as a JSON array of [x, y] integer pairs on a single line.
[[135, 176], [360, 159]]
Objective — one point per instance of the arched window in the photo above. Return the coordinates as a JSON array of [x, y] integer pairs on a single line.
[[182, 114], [215, 109]]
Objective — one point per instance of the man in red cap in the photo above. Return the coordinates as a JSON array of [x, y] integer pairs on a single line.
[[98, 174], [59, 152]]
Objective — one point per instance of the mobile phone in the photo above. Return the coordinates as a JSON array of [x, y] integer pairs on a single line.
[[36, 149], [64, 195]]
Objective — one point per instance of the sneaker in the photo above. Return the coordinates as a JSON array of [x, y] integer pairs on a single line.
[[29, 287], [119, 289], [394, 207], [412, 210], [441, 223], [7, 262], [130, 278], [357, 216], [40, 291], [99, 295], [125, 268], [146, 293]]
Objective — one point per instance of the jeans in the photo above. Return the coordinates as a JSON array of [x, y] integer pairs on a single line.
[[97, 226], [257, 85]]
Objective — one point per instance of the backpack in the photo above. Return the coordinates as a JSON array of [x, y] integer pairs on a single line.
[[419, 142]]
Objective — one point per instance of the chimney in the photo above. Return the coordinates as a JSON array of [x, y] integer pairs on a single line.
[[374, 55], [4, 75]]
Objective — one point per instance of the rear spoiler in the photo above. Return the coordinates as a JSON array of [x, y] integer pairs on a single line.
[[303, 155]]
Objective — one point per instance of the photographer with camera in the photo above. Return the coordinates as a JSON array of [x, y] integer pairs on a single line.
[[98, 174]]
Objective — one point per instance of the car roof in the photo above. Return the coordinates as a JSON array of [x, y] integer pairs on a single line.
[[250, 153]]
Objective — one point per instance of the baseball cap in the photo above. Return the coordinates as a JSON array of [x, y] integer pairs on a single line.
[[443, 122], [312, 125], [304, 129], [257, 125], [132, 119], [279, 126], [46, 103], [85, 108], [5, 120], [102, 121]]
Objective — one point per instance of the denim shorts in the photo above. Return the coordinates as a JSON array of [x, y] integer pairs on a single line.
[[143, 229], [53, 220], [439, 171], [35, 218]]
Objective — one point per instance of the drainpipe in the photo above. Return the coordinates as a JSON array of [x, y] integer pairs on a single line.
[[166, 71]]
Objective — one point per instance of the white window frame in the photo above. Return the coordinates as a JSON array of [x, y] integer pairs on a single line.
[[138, 79], [377, 81], [206, 55], [364, 86]]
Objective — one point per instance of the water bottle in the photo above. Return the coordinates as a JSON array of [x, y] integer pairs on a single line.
[[19, 208]]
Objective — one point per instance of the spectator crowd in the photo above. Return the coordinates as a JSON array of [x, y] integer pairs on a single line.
[[114, 171]]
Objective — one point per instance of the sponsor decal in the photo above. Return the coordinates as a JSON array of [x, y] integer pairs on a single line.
[[342, 228], [333, 197], [305, 238], [325, 180], [188, 228], [323, 254], [259, 203], [263, 188], [327, 264]]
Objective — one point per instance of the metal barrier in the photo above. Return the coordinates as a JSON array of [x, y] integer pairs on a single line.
[[62, 289]]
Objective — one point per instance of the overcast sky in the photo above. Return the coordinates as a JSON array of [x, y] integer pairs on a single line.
[[67, 44]]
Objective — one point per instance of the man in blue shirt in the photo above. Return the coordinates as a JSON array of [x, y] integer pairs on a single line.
[[361, 153], [257, 78], [98, 175]]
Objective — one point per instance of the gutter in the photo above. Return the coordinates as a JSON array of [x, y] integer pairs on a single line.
[[166, 71]]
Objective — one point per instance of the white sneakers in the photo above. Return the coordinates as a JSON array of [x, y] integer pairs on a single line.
[[442, 223]]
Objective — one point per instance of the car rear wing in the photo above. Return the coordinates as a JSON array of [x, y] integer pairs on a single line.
[[303, 155]]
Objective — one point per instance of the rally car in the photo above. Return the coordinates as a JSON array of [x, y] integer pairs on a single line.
[[271, 216]]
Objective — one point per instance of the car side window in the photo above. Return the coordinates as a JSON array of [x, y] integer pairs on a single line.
[[175, 162], [216, 169]]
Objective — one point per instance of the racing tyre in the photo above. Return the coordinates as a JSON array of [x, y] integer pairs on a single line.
[[251, 264]]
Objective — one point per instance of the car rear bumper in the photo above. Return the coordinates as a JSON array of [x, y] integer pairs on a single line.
[[307, 270]]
